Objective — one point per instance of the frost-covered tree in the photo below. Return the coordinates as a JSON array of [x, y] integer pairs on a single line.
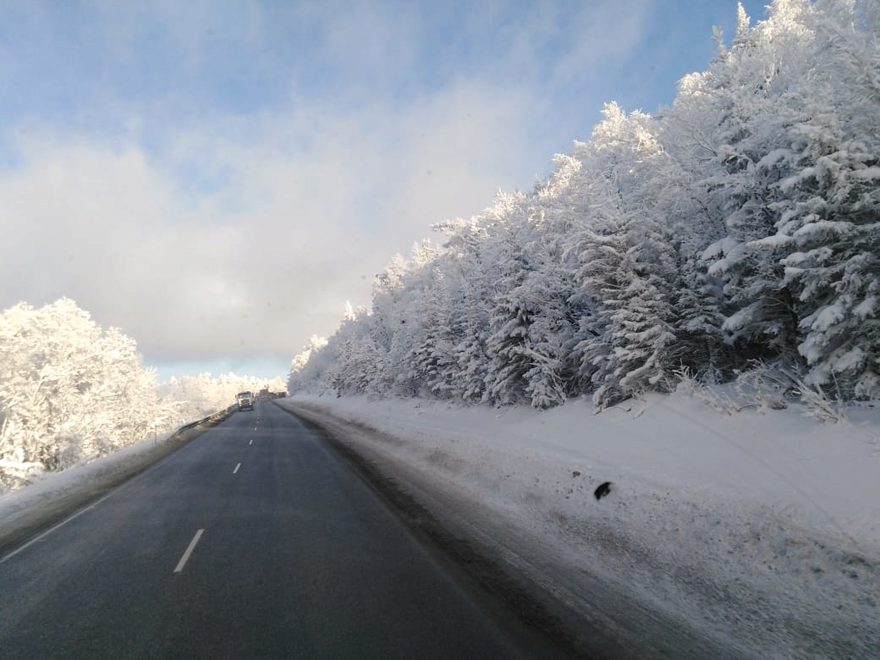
[[470, 353], [828, 211], [628, 259], [301, 360], [69, 390], [432, 355], [512, 311], [748, 86], [738, 224]]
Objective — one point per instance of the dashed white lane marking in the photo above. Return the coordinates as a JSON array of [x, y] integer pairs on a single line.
[[188, 551], [251, 441], [236, 468], [52, 529]]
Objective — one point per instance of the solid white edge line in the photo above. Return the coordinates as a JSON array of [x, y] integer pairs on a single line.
[[54, 527], [236, 468], [188, 551]]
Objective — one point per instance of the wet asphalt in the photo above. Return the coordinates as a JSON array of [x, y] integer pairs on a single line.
[[255, 540]]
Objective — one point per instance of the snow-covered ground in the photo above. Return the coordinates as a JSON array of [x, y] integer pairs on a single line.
[[29, 508], [54, 494], [760, 530]]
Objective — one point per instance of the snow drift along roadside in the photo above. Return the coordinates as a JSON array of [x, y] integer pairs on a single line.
[[759, 531], [55, 495]]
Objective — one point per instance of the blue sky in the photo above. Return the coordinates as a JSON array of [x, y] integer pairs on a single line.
[[217, 178]]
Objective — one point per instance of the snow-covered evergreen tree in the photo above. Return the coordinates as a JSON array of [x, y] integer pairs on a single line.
[[433, 355], [512, 312], [829, 208], [738, 224]]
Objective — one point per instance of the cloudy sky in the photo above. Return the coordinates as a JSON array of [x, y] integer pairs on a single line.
[[218, 178]]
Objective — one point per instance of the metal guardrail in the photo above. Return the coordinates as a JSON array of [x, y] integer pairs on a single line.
[[218, 416]]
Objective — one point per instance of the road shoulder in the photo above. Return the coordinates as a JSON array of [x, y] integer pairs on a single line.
[[27, 512], [591, 615], [672, 567]]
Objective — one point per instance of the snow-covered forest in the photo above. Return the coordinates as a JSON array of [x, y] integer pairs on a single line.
[[71, 391], [738, 227]]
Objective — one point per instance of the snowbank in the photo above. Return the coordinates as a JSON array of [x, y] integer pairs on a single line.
[[54, 495], [761, 530], [48, 484]]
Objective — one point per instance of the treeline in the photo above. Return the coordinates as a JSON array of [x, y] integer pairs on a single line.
[[71, 391], [198, 396], [742, 224]]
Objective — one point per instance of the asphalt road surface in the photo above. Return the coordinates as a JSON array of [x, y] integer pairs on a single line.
[[255, 540]]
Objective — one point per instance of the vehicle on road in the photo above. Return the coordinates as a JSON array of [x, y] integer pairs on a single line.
[[245, 400]]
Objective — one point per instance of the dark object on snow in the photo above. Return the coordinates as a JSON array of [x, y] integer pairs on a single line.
[[602, 490], [575, 474]]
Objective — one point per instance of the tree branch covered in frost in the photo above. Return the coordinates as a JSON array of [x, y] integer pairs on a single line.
[[740, 224]]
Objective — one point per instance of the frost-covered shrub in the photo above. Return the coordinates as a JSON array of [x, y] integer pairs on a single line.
[[768, 386], [819, 405], [709, 393]]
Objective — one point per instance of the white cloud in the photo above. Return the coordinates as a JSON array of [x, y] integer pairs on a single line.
[[270, 257], [242, 235]]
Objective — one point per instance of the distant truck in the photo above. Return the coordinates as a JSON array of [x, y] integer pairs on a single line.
[[245, 400]]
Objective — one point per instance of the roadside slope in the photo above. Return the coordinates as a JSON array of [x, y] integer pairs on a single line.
[[754, 533], [55, 495]]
